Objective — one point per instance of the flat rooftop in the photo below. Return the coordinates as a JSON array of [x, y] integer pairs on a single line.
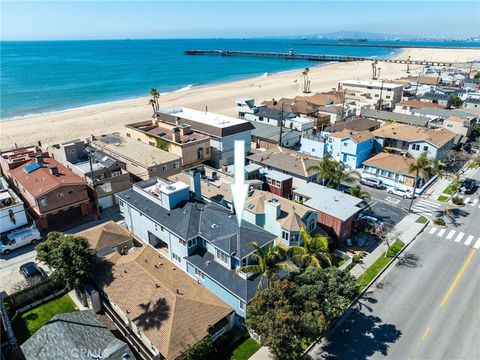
[[209, 118], [375, 84], [134, 150]]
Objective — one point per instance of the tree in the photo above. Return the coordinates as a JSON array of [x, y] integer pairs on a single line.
[[70, 258], [267, 262], [457, 102], [425, 167], [314, 251], [336, 172], [386, 235], [294, 312], [199, 351], [154, 101], [359, 193]]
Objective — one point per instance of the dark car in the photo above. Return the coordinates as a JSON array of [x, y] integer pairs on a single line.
[[468, 186], [31, 270]]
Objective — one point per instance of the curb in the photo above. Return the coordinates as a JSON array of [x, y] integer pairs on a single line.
[[345, 314]]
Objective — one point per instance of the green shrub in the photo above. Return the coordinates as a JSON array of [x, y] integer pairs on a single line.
[[442, 198], [457, 200], [422, 220], [450, 189], [439, 221]]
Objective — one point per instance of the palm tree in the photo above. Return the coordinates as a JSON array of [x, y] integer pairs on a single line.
[[154, 101], [423, 167], [314, 251], [335, 172], [268, 262], [359, 193]]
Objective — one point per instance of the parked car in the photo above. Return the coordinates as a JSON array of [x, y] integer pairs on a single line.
[[366, 221], [468, 186], [372, 182], [406, 194], [19, 238], [31, 270]]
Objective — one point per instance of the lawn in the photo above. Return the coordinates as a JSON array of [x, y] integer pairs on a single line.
[[450, 189], [442, 198], [242, 349], [422, 220], [378, 265], [26, 325]]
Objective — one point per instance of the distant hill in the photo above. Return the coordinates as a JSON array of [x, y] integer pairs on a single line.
[[360, 35]]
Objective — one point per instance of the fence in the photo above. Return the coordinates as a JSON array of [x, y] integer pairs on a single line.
[[32, 294]]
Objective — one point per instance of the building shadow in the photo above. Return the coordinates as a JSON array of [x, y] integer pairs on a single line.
[[359, 337]]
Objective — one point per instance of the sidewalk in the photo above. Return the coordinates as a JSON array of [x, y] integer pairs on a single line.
[[436, 189], [408, 229]]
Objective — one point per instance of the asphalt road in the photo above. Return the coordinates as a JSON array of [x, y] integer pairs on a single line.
[[427, 306]]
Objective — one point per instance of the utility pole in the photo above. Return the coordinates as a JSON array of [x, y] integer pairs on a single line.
[[380, 100], [94, 186], [408, 64], [281, 125], [343, 105]]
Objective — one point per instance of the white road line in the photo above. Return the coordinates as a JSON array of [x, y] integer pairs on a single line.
[[421, 206], [469, 240], [459, 237], [441, 232], [477, 244], [432, 230], [467, 200], [474, 202], [428, 202], [450, 234]]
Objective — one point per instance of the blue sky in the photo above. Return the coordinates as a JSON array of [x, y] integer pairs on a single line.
[[55, 20]]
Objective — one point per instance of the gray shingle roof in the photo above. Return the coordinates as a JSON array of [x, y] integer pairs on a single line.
[[272, 113], [212, 222], [444, 113], [76, 335], [271, 132], [435, 96], [397, 117], [245, 289]]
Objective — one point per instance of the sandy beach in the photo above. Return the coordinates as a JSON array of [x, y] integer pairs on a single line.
[[104, 118]]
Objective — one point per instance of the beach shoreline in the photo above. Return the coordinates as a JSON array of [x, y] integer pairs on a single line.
[[107, 117]]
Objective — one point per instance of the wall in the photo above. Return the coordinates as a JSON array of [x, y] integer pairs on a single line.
[[223, 148], [218, 290], [6, 223], [312, 147]]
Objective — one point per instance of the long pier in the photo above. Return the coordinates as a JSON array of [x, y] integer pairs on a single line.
[[311, 57]]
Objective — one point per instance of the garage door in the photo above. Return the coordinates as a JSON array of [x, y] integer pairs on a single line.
[[106, 202]]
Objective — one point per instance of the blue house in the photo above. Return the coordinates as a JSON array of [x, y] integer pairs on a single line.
[[349, 147], [203, 239]]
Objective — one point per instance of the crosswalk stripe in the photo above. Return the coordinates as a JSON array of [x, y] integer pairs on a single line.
[[441, 232], [424, 207], [450, 234], [459, 237], [469, 240], [428, 202], [432, 230], [474, 202], [467, 200], [477, 244]]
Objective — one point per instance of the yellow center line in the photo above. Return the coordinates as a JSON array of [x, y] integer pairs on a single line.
[[425, 334], [457, 279]]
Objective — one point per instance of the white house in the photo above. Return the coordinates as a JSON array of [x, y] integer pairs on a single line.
[[12, 211], [374, 91]]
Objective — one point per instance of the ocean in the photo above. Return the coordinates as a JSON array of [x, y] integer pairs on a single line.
[[38, 77]]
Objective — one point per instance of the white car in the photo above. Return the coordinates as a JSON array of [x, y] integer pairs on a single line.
[[406, 194], [19, 238]]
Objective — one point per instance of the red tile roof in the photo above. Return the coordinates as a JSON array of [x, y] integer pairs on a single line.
[[41, 181]]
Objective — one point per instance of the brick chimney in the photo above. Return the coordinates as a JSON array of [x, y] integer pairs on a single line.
[[176, 134], [39, 159], [54, 170]]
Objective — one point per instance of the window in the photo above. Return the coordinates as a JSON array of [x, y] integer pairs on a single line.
[[70, 192], [183, 242], [242, 305], [42, 201], [192, 242], [260, 118], [175, 165], [425, 148], [153, 169], [176, 257], [164, 168], [415, 147], [128, 134], [122, 203], [200, 153], [199, 274], [311, 225], [285, 235], [277, 183], [221, 256], [345, 144]]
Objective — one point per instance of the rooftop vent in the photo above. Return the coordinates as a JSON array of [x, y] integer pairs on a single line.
[[162, 133], [170, 187], [214, 226]]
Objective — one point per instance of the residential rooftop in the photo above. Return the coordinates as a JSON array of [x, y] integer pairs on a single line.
[[437, 137], [169, 307], [329, 201], [293, 162], [79, 332], [356, 136], [270, 132], [392, 162], [205, 122], [133, 150], [418, 104], [166, 131], [373, 84], [358, 124], [444, 113], [38, 179], [397, 117]]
